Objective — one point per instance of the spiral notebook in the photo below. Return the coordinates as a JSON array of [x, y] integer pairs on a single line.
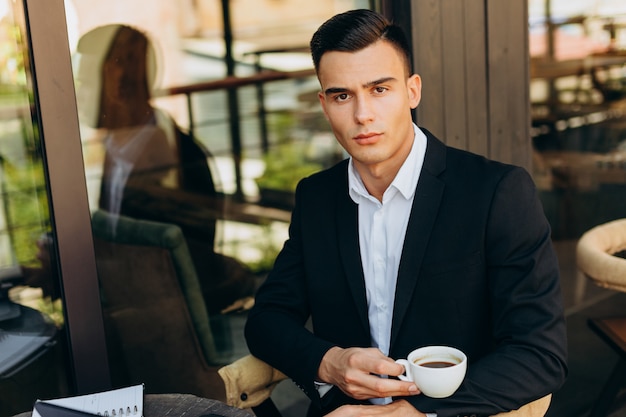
[[122, 402]]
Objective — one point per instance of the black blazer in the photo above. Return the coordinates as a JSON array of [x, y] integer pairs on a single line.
[[477, 272]]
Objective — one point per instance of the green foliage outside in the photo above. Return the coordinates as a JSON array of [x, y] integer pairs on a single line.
[[286, 163], [23, 196], [26, 208], [269, 252]]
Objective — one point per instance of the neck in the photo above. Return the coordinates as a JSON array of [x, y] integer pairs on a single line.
[[376, 179]]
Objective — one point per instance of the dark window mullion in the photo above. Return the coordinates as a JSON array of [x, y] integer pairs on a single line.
[[69, 208]]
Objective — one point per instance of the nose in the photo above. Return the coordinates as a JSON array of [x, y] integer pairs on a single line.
[[363, 112]]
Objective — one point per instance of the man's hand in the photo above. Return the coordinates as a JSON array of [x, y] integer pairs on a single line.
[[400, 408], [356, 372]]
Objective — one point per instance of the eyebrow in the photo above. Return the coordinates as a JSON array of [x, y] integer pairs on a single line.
[[338, 90]]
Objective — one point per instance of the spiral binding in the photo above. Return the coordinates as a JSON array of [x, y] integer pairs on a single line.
[[121, 412]]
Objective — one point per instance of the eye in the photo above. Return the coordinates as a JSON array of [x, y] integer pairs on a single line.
[[342, 97], [380, 90]]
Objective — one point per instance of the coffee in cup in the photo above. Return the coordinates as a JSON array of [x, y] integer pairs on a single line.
[[438, 371]]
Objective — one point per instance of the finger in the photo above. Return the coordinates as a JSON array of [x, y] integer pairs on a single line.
[[397, 408], [386, 387], [389, 367], [359, 411], [373, 386]]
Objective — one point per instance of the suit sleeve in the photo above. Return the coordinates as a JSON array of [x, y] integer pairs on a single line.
[[276, 329], [528, 328]]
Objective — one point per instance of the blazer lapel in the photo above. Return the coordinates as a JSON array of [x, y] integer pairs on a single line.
[[423, 214], [348, 236]]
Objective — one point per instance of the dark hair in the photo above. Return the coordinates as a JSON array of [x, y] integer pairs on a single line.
[[354, 30]]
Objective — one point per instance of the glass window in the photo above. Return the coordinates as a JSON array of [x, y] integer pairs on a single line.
[[578, 109], [578, 97], [33, 351], [191, 172]]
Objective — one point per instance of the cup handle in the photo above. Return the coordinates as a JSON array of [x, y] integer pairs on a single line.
[[405, 364]]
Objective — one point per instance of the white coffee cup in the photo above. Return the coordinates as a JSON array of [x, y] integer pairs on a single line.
[[438, 371]]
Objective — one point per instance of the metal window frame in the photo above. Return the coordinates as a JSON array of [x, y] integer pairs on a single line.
[[55, 102]]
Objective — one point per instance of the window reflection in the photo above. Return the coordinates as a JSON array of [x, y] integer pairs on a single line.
[[153, 171], [185, 227]]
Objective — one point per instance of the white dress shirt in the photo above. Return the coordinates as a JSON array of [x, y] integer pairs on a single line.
[[382, 226]]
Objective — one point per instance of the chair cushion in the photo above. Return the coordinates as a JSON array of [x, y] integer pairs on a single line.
[[249, 381]]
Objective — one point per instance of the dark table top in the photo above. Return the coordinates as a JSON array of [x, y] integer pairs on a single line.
[[25, 333], [177, 405]]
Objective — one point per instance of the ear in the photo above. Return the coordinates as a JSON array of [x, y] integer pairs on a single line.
[[322, 98], [414, 88]]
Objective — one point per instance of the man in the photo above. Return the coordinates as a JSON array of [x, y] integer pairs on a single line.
[[405, 244]]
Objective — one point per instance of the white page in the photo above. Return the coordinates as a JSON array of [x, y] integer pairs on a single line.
[[122, 402]]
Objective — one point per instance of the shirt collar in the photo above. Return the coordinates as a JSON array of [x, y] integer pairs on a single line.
[[406, 179]]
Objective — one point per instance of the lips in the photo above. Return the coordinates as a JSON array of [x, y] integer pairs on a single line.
[[367, 138]]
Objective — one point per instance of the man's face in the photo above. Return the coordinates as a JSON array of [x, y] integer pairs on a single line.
[[367, 97]]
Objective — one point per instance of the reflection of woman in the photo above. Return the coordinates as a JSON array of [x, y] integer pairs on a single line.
[[116, 66], [135, 144], [150, 164]]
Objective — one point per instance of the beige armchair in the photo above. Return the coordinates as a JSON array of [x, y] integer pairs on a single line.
[[595, 255], [600, 255], [249, 383]]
